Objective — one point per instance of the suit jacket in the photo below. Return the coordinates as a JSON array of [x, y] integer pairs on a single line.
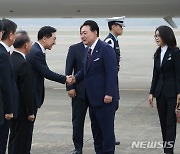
[[166, 77], [24, 84], [73, 65], [101, 75], [40, 71], [8, 85], [1, 107]]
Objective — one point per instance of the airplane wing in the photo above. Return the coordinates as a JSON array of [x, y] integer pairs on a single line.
[[90, 8]]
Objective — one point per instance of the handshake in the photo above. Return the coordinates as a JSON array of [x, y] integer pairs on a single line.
[[70, 80]]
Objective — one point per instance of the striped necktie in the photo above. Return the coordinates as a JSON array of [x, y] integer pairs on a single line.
[[88, 57]]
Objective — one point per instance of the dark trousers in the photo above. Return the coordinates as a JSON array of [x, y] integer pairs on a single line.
[[20, 136], [102, 125], [1, 110], [166, 110], [4, 131], [79, 109]]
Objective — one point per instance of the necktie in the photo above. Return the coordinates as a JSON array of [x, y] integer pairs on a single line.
[[9, 53], [88, 56], [44, 55]]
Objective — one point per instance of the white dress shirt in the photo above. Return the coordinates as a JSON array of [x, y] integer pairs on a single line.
[[42, 48], [163, 51], [93, 45]]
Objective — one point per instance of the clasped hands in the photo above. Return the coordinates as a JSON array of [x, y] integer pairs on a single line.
[[9, 116], [70, 80]]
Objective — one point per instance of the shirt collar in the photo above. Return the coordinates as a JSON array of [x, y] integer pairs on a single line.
[[94, 44], [164, 48], [20, 53], [42, 48], [6, 47], [114, 36]]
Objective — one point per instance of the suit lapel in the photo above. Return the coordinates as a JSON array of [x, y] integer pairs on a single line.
[[166, 56], [4, 50], [93, 56], [157, 59], [40, 50]]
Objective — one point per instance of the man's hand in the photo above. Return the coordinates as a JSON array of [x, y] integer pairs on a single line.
[[107, 99], [70, 80], [178, 98], [150, 100], [9, 116], [72, 93], [31, 117]]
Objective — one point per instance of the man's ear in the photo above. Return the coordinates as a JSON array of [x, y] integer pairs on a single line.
[[95, 32], [113, 26], [11, 37], [44, 39], [26, 45]]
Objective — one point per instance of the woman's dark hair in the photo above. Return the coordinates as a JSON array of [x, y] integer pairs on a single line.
[[167, 36]]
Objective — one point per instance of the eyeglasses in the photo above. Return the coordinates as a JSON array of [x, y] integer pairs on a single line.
[[156, 35]]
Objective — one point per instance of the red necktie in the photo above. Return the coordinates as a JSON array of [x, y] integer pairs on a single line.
[[88, 56]]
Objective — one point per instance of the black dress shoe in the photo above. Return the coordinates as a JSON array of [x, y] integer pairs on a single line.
[[117, 143], [76, 151]]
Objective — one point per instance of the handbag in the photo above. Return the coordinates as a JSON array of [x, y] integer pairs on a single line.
[[177, 111]]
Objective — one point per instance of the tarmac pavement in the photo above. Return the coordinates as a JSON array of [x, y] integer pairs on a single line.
[[135, 121]]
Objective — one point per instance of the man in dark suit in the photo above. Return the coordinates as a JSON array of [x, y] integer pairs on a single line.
[[21, 127], [1, 107], [40, 69], [8, 85], [100, 77], [77, 93], [1, 103]]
